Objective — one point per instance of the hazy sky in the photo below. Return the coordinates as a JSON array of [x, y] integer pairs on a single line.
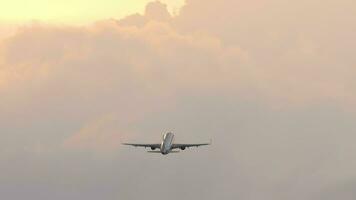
[[74, 11], [271, 82]]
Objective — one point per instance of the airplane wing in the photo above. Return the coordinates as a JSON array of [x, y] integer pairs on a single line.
[[183, 146], [144, 145]]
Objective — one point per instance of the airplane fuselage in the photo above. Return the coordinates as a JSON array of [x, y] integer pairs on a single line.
[[167, 141]]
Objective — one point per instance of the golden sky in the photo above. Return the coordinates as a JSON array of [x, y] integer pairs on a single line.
[[73, 11]]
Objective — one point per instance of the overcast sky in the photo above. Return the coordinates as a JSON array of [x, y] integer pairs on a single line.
[[271, 82]]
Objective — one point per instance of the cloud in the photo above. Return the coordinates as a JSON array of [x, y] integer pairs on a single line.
[[272, 82], [303, 56], [145, 63], [244, 54], [139, 63], [99, 135], [155, 11], [6, 30], [81, 73]]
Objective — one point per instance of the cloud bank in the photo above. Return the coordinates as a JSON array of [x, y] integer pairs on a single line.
[[271, 81]]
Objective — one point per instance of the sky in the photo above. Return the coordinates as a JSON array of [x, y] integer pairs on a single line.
[[270, 82], [73, 11]]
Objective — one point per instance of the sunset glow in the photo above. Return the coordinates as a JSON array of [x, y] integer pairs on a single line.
[[73, 11]]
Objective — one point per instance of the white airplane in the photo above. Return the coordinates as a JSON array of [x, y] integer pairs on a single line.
[[166, 145]]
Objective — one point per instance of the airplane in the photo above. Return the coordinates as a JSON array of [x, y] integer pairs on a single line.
[[167, 145]]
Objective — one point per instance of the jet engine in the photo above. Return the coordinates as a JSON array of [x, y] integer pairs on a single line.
[[182, 148], [153, 148]]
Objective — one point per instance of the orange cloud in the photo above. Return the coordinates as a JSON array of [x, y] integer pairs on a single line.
[[102, 134], [143, 63]]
